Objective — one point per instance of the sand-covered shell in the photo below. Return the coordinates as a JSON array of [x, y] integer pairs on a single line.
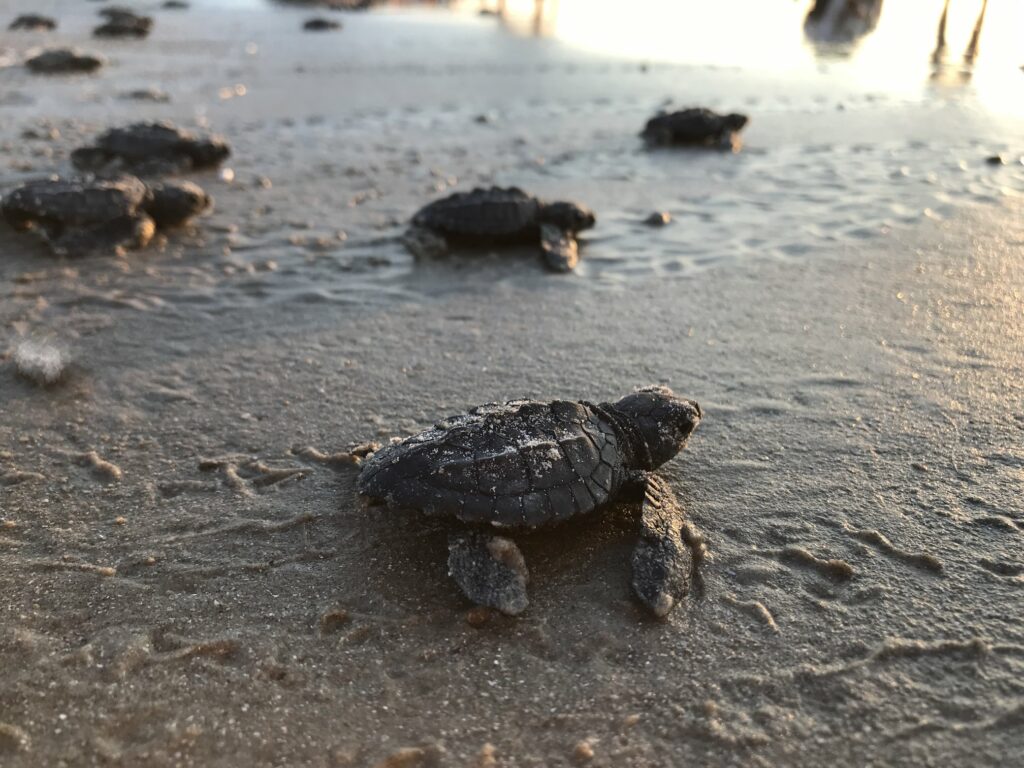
[[497, 213], [695, 126], [75, 202], [159, 145], [517, 464]]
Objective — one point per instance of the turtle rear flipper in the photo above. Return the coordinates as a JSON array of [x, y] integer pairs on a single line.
[[669, 552], [16, 218], [490, 570], [424, 243], [559, 248]]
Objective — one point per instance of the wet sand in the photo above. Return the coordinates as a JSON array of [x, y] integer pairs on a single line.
[[188, 584]]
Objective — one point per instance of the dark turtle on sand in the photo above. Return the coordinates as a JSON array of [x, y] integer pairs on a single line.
[[695, 127], [334, 5], [84, 216], [154, 95], [151, 149], [525, 464], [59, 61], [33, 22], [499, 216], [321, 24], [123, 22]]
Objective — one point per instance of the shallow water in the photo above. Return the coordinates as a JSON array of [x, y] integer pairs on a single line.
[[357, 129]]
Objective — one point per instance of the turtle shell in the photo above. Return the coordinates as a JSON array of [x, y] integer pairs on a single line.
[[60, 60], [688, 126], [495, 214], [143, 142], [518, 464], [73, 203], [33, 21]]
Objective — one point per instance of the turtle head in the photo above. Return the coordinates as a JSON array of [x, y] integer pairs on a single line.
[[206, 153], [735, 121], [663, 420], [568, 217]]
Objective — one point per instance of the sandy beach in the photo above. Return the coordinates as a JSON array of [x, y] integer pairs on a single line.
[[188, 581]]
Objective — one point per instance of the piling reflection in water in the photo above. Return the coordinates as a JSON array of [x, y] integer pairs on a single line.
[[942, 70]]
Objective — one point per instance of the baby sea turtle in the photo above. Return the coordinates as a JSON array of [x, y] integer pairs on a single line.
[[151, 149], [123, 22], [127, 25], [321, 24], [33, 22], [60, 61], [335, 5], [84, 216], [154, 95], [526, 464], [696, 126], [499, 216]]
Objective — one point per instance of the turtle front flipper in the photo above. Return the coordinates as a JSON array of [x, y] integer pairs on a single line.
[[669, 552], [730, 141], [490, 570], [559, 248]]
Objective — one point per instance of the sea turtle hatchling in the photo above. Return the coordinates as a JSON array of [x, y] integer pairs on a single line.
[[321, 24], [123, 22], [151, 149], [696, 127], [60, 61], [33, 22], [500, 216], [84, 216], [526, 464]]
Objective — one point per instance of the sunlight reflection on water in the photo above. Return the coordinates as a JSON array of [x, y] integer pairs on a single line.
[[896, 55]]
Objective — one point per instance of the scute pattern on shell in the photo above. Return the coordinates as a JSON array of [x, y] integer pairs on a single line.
[[155, 148], [75, 202], [519, 464], [55, 61], [486, 213]]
